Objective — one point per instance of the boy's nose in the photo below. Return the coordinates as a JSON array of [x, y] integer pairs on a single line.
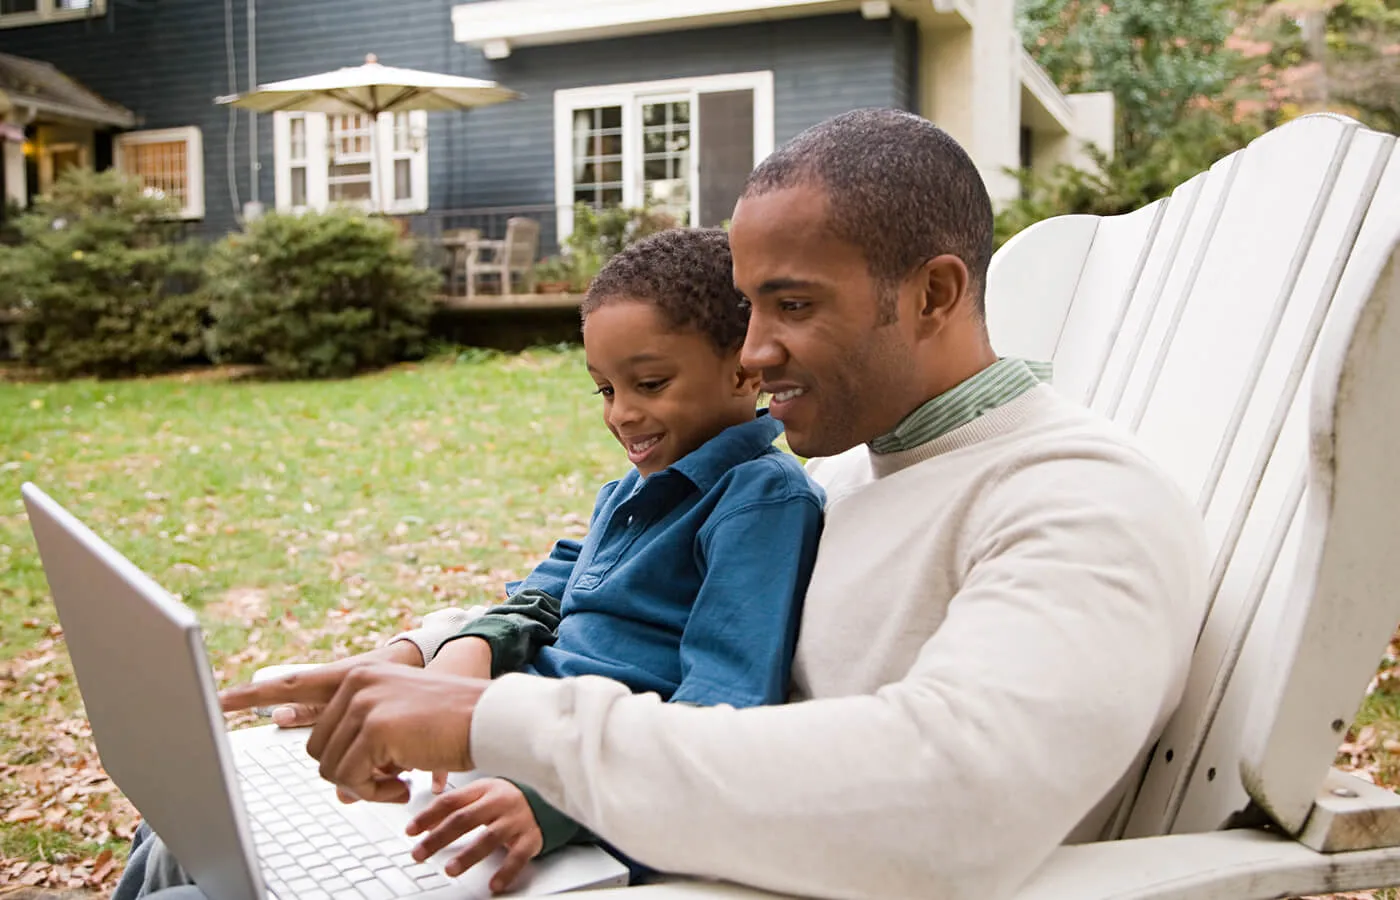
[[622, 412]]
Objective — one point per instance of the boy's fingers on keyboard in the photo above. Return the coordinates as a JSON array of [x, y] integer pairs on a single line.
[[474, 853], [444, 806], [518, 856]]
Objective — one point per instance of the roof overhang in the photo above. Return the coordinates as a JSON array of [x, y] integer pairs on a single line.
[[497, 26], [1043, 107], [32, 88]]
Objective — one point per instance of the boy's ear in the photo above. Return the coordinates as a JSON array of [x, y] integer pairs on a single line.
[[746, 382]]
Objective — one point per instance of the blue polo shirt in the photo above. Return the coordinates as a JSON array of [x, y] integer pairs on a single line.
[[690, 582]]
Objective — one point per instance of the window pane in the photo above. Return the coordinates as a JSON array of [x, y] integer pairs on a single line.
[[18, 6], [611, 197], [161, 166], [74, 4], [666, 159], [401, 134], [298, 128], [597, 152], [403, 184], [299, 186]]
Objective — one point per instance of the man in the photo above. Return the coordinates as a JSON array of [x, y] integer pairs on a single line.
[[1000, 619]]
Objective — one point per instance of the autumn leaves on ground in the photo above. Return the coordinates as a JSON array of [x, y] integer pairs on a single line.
[[302, 521]]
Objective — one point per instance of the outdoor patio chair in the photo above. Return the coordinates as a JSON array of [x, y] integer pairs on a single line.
[[456, 244], [1247, 329], [509, 262]]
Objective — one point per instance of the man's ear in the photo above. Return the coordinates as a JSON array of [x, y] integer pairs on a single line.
[[943, 285]]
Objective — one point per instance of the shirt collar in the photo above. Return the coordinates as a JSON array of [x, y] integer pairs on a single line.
[[707, 464], [997, 385]]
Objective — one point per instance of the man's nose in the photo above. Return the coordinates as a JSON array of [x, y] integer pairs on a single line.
[[761, 350]]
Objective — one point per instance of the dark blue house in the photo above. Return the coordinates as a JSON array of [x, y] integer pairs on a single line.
[[626, 101]]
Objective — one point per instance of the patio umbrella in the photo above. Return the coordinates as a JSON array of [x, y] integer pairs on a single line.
[[372, 89]]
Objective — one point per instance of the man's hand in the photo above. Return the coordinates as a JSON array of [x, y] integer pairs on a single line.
[[494, 803], [293, 715], [377, 720], [469, 657]]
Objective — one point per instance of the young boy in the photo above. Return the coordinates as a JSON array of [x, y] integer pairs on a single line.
[[690, 580]]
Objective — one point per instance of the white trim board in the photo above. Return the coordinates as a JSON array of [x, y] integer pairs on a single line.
[[498, 25]]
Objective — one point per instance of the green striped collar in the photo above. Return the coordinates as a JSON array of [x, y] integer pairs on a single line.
[[996, 385]]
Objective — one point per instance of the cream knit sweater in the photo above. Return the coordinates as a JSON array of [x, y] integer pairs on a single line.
[[998, 625]]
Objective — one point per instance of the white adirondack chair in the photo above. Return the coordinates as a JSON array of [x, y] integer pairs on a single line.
[[1247, 329]]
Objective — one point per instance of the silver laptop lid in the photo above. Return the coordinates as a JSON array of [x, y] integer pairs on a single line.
[[150, 696]]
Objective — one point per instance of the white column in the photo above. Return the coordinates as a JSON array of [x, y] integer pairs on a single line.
[[15, 189]]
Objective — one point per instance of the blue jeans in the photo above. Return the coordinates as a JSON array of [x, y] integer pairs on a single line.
[[152, 871]]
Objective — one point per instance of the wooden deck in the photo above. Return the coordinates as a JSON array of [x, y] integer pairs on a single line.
[[510, 302]]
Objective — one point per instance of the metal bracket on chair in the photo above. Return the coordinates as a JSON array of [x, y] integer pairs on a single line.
[[1352, 814]]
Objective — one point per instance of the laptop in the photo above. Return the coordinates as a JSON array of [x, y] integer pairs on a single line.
[[244, 812]]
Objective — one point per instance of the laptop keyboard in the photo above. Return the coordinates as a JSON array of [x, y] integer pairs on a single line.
[[309, 848]]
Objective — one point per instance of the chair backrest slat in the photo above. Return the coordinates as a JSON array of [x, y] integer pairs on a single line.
[[1197, 323]]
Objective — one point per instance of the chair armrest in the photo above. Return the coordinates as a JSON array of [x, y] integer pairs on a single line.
[[493, 248], [1220, 865]]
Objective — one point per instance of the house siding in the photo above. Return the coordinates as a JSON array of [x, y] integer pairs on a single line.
[[167, 61]]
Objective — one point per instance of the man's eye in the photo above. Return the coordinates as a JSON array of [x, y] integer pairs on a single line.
[[793, 305]]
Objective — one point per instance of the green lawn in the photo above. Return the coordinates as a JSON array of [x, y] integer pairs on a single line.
[[303, 521]]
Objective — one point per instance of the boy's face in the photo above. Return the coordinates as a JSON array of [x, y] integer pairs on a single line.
[[665, 392]]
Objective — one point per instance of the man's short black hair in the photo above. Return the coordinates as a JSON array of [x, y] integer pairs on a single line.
[[687, 274], [899, 188]]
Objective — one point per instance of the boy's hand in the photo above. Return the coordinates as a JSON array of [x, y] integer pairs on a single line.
[[494, 803], [468, 656]]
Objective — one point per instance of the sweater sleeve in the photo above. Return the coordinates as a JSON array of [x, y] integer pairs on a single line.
[[1060, 656]]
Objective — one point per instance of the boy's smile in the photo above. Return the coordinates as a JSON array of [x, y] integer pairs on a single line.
[[665, 391]]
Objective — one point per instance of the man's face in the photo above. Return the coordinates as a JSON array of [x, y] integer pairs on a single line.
[[838, 374]]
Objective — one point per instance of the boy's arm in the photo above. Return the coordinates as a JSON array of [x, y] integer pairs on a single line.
[[738, 644], [512, 646], [508, 636]]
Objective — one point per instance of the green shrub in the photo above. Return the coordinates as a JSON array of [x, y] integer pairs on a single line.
[[318, 295], [104, 284], [600, 233]]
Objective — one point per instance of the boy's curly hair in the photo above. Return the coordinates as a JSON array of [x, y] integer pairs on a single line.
[[687, 274]]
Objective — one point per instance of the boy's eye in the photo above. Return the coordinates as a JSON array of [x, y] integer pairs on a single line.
[[652, 386], [605, 390]]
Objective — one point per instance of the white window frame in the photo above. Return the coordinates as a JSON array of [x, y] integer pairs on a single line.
[[317, 163], [629, 97], [50, 11], [193, 139]]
